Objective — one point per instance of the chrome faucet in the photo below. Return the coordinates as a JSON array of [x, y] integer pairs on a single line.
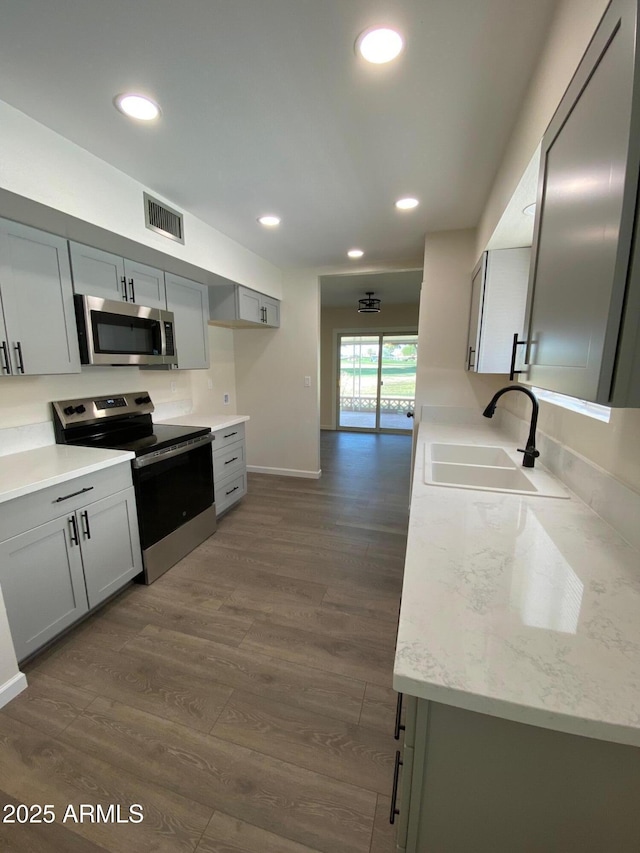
[[530, 452]]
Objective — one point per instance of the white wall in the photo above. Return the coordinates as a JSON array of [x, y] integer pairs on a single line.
[[444, 321], [283, 435], [39, 164], [26, 399], [12, 681]]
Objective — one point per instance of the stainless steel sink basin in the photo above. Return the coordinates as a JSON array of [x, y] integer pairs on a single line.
[[492, 469], [471, 454]]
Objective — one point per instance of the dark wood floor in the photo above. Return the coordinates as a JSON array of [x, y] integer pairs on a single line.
[[244, 699]]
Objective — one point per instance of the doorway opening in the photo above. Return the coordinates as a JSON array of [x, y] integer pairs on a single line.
[[376, 381]]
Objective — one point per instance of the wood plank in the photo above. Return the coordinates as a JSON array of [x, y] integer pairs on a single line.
[[314, 650], [275, 795], [37, 769], [226, 834], [48, 704], [157, 686], [340, 750], [383, 839], [379, 708], [251, 671]]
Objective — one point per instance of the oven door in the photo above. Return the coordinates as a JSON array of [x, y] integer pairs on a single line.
[[113, 332], [172, 488]]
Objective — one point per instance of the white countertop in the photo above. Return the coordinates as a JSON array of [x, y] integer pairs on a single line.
[[26, 472], [213, 421], [526, 608]]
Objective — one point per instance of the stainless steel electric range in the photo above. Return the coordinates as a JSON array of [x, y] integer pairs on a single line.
[[172, 470]]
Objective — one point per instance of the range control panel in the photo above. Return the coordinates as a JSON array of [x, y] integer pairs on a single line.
[[88, 409]]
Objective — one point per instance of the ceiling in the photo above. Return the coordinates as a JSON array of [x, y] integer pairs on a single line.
[[400, 287], [266, 108]]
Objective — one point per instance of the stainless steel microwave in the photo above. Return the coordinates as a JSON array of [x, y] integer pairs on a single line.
[[111, 332]]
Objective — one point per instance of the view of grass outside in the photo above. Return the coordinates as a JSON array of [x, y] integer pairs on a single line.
[[359, 367]]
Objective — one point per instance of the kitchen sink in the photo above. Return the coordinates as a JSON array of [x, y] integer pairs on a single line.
[[492, 469], [471, 454]]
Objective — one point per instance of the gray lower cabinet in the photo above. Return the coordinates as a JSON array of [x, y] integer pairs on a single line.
[[99, 273], [55, 572], [37, 318], [474, 782], [240, 307], [229, 466], [189, 302], [583, 314]]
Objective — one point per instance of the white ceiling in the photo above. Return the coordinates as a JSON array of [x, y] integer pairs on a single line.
[[398, 287], [267, 109]]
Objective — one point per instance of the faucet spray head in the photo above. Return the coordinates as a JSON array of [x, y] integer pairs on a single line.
[[490, 411]]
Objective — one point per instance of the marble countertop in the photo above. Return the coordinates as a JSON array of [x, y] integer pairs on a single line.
[[522, 607], [31, 470], [213, 421]]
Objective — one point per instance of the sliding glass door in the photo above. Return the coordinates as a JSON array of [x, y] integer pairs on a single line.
[[377, 381]]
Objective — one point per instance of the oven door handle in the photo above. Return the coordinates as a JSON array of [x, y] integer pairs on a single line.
[[176, 450]]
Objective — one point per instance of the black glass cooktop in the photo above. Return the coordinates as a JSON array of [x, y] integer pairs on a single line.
[[139, 439]]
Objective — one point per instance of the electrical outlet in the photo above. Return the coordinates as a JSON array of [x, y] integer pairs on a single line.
[[307, 382], [173, 387], [225, 399]]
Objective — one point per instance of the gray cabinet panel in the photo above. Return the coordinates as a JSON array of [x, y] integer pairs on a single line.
[[109, 276], [110, 545], [189, 302], [97, 273], [249, 305], [271, 307], [37, 301], [240, 307], [475, 317], [145, 284], [584, 220], [42, 584]]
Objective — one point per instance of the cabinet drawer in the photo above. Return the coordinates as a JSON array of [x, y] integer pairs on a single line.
[[29, 511], [230, 460], [227, 492], [223, 437]]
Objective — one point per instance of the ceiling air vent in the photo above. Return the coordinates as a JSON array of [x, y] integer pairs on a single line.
[[162, 219]]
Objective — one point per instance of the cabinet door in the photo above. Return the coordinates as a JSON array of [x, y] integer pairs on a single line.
[[37, 297], [42, 584], [145, 285], [503, 307], [475, 317], [110, 545], [249, 305], [189, 301], [271, 308], [584, 218], [98, 273]]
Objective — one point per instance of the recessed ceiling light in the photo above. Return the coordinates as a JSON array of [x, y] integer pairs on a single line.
[[269, 220], [379, 44], [355, 253], [137, 106], [407, 203], [530, 209]]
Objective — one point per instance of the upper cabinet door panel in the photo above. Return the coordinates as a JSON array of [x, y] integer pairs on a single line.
[[37, 298], [98, 273], [249, 305], [145, 285], [270, 311], [189, 302], [586, 203]]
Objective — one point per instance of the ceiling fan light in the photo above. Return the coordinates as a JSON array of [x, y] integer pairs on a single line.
[[369, 305], [355, 253]]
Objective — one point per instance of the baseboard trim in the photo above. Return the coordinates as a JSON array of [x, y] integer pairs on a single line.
[[285, 472], [327, 427], [11, 688]]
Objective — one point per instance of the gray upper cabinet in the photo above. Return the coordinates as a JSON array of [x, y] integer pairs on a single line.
[[37, 320], [109, 276], [189, 302], [584, 291], [498, 300], [240, 307]]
